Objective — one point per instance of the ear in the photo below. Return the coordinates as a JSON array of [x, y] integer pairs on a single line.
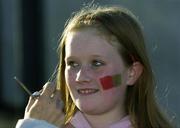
[[134, 72]]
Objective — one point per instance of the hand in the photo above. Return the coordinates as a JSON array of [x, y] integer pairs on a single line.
[[47, 106]]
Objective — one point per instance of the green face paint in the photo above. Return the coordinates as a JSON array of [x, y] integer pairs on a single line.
[[109, 82]]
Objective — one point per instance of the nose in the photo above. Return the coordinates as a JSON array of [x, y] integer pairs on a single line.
[[83, 75]]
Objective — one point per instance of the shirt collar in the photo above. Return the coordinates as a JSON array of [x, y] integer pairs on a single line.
[[79, 121]]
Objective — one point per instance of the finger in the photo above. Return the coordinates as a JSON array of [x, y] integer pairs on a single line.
[[57, 99], [30, 103], [58, 118], [32, 100], [48, 90]]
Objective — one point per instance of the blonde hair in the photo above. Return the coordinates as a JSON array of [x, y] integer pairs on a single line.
[[121, 24]]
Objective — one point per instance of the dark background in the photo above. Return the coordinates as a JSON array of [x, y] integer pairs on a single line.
[[29, 33]]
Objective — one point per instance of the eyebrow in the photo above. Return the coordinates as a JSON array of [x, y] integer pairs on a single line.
[[69, 57], [94, 55]]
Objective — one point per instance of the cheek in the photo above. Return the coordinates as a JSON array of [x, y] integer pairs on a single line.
[[109, 82], [114, 95], [69, 77]]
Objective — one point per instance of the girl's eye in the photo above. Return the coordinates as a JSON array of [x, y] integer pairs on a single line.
[[97, 63], [72, 64]]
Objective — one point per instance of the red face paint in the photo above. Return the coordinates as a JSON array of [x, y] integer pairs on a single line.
[[109, 82]]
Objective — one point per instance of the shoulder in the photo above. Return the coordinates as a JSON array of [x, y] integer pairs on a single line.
[[33, 123]]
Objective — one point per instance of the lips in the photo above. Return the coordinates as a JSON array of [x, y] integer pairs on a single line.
[[87, 91]]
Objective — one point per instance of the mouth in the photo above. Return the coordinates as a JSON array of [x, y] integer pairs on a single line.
[[87, 91]]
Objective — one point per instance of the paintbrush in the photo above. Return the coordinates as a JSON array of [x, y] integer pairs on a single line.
[[35, 94]]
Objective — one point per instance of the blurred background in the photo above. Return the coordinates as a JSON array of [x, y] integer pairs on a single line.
[[29, 33]]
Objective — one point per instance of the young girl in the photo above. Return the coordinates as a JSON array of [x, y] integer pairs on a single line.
[[104, 76]]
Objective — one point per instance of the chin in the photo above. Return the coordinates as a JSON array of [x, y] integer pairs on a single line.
[[87, 108], [91, 109]]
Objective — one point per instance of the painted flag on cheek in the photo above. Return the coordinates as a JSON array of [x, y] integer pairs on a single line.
[[109, 82]]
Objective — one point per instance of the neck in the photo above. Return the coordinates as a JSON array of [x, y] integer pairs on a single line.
[[104, 120]]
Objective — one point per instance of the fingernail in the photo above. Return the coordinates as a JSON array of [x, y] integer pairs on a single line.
[[36, 94]]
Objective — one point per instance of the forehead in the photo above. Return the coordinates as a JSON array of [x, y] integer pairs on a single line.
[[88, 41]]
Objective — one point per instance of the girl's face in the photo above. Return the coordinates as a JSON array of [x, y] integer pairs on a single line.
[[89, 59]]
